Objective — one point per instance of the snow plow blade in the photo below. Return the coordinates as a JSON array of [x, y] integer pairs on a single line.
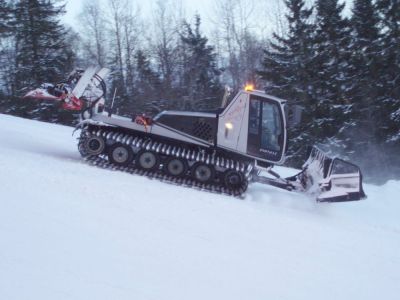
[[330, 179]]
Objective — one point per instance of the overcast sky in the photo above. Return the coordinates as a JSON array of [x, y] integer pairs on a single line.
[[204, 7], [266, 10]]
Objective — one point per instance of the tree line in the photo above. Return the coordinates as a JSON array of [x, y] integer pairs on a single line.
[[345, 73], [342, 68]]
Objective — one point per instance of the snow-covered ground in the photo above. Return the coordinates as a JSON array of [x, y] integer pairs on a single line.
[[72, 231]]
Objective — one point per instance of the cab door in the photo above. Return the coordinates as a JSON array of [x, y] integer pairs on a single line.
[[266, 130]]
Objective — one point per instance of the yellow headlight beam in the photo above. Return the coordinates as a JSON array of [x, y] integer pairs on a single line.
[[229, 126]]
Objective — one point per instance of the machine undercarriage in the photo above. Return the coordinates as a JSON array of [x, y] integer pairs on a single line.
[[153, 157]]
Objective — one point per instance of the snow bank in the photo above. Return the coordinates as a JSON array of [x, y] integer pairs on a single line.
[[72, 231]]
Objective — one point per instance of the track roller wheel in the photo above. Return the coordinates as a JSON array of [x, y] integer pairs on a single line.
[[147, 160], [202, 173], [120, 154], [175, 167], [92, 146], [233, 179]]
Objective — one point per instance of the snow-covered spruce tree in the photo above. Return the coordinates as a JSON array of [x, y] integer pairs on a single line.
[[331, 78], [41, 52], [390, 17], [288, 73], [5, 18], [5, 31], [6, 44], [199, 68], [389, 114], [366, 87]]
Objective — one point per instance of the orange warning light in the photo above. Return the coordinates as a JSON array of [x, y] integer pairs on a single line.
[[249, 87]]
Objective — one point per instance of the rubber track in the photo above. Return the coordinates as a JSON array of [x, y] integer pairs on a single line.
[[170, 151]]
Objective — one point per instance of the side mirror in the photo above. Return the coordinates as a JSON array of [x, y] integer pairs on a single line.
[[227, 94], [293, 114]]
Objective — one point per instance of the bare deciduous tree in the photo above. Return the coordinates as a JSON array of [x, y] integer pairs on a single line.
[[94, 31], [117, 12], [131, 33], [238, 42], [165, 41]]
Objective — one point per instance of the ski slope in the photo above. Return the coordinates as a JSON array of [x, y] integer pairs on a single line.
[[72, 231]]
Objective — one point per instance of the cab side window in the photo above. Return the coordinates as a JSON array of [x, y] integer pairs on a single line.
[[271, 127], [254, 117]]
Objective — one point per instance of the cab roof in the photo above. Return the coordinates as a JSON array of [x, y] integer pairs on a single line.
[[265, 95]]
